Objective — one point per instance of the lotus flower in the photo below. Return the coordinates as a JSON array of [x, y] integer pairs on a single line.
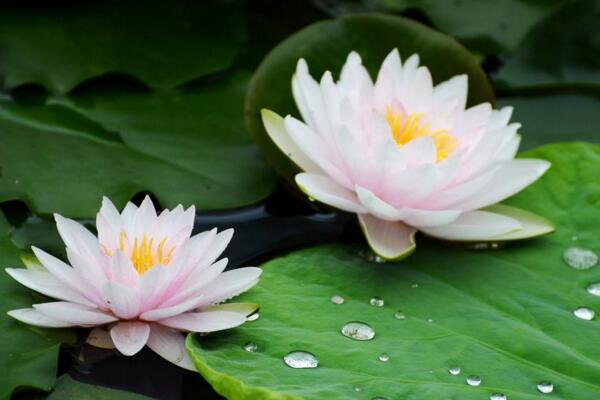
[[406, 156], [140, 282]]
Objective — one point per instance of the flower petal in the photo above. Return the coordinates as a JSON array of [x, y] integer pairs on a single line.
[[31, 316], [475, 225], [45, 283], [390, 240], [421, 218], [123, 301], [77, 237], [511, 178], [75, 314], [533, 225], [275, 127], [170, 345], [376, 206], [130, 337], [100, 337], [209, 321], [328, 192], [230, 284], [167, 312]]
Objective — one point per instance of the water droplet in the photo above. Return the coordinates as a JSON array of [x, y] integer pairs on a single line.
[[414, 285], [253, 317], [367, 254], [580, 258], [584, 313], [384, 357], [399, 315], [454, 371], [498, 396], [376, 302], [337, 299], [357, 389], [594, 289], [358, 331], [473, 380], [545, 387], [430, 320], [251, 347], [574, 238], [16, 181], [301, 359]]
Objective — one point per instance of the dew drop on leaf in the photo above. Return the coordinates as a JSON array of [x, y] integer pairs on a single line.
[[253, 317], [358, 331], [584, 313], [545, 387], [337, 300], [454, 371], [251, 347], [594, 289], [473, 380], [384, 357], [580, 258], [498, 396], [301, 359], [399, 315], [376, 302]]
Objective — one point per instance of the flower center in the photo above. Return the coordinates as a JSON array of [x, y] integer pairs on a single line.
[[145, 254], [404, 129]]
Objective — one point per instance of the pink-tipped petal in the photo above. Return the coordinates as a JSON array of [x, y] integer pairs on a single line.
[[31, 316], [170, 345], [328, 192], [512, 177], [167, 312], [390, 240], [129, 337], [230, 284], [123, 301], [45, 283], [210, 321], [376, 206], [77, 237], [74, 314], [475, 225]]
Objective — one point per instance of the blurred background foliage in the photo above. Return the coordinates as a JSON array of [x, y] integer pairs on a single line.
[[125, 98]]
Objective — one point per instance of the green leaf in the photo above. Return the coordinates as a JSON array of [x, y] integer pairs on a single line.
[[504, 315], [69, 388], [186, 146], [325, 46], [161, 43], [28, 356], [562, 49], [554, 117]]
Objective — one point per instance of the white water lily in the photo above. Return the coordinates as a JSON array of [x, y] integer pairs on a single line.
[[142, 281], [405, 155]]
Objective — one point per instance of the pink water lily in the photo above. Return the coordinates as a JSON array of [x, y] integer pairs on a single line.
[[142, 281], [405, 155]]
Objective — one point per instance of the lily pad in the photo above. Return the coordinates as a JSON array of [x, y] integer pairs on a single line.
[[161, 43], [69, 388], [185, 146], [486, 26], [325, 46], [503, 315], [556, 116], [28, 356], [561, 49]]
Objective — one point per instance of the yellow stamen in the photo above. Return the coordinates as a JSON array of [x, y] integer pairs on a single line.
[[406, 129], [143, 255]]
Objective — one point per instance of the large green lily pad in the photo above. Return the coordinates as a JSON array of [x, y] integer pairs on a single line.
[[561, 49], [69, 388], [504, 315], [185, 146], [160, 43], [325, 46], [555, 117], [28, 356]]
